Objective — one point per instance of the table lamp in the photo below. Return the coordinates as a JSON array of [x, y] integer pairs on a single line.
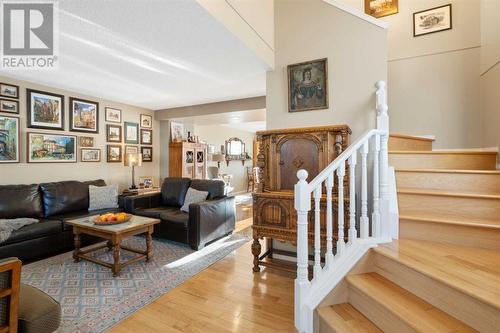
[[218, 158], [133, 160]]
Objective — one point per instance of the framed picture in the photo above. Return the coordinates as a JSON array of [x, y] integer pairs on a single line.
[[90, 155], [146, 121], [113, 115], [114, 153], [176, 131], [45, 110], [9, 106], [9, 90], [83, 116], [131, 132], [381, 8], [113, 133], [147, 154], [308, 86], [86, 141], [131, 150], [9, 139], [146, 182], [432, 20], [146, 137], [51, 148]]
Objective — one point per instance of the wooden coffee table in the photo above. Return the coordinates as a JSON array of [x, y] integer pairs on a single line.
[[114, 234]]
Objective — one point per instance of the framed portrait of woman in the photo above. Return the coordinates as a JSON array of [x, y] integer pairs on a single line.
[[308, 85]]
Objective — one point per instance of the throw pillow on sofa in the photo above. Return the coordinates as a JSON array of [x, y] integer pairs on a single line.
[[193, 196], [103, 197]]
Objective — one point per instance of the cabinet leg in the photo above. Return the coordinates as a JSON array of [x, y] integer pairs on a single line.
[[256, 248]]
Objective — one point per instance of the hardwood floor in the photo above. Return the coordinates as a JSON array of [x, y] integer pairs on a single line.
[[226, 297]]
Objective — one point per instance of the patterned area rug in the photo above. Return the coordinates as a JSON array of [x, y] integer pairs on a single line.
[[93, 301]]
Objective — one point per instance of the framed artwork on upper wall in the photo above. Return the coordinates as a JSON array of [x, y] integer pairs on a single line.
[[51, 148], [146, 121], [432, 20], [83, 116], [308, 86], [9, 106], [131, 132], [381, 8], [131, 150], [114, 133], [146, 137], [9, 90], [113, 115], [176, 131], [90, 155], [86, 141], [45, 110], [114, 153], [9, 139], [147, 154]]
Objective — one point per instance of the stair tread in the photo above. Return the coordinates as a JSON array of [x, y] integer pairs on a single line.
[[411, 137], [345, 318], [445, 152], [449, 193], [472, 271], [488, 172], [483, 223], [414, 311]]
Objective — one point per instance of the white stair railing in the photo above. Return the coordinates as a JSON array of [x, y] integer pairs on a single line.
[[373, 229]]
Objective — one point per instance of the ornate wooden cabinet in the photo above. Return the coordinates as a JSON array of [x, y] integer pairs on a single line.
[[188, 159], [281, 153]]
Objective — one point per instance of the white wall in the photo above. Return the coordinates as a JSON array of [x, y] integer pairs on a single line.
[[356, 52], [112, 173], [217, 135], [250, 21]]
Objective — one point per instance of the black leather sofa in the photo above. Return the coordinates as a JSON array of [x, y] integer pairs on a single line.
[[206, 221], [52, 204]]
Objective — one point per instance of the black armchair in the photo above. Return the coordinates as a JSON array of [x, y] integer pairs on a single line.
[[206, 221]]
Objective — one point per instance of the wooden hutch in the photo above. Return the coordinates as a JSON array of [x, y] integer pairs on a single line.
[[187, 159], [281, 153]]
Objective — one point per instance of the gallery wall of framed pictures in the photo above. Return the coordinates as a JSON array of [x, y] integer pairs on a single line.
[[53, 128]]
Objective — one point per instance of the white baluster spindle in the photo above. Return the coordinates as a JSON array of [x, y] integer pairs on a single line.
[[376, 207], [364, 221], [329, 221], [353, 234], [340, 209], [317, 232]]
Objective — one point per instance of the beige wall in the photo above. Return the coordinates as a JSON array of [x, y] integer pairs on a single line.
[[490, 72], [433, 83], [356, 52], [112, 173], [217, 135]]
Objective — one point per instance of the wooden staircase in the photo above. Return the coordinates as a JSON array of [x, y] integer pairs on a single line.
[[443, 274]]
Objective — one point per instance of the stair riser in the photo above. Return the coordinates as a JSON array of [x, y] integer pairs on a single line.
[[383, 318], [443, 161], [469, 310], [471, 236], [407, 144], [460, 182], [448, 206], [325, 328]]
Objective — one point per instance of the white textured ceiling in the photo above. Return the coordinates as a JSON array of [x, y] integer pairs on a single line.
[[151, 53]]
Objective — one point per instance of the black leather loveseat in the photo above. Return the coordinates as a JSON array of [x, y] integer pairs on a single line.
[[205, 222], [52, 204]]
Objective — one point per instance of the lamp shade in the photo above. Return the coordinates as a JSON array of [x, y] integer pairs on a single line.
[[133, 160], [218, 158]]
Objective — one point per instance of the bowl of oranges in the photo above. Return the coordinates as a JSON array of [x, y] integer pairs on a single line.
[[112, 218]]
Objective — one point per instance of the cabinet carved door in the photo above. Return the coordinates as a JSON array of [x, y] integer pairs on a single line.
[[296, 154]]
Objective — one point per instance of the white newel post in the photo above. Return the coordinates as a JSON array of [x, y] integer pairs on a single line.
[[302, 284], [383, 124]]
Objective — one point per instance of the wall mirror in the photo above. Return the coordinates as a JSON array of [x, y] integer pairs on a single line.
[[235, 150]]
